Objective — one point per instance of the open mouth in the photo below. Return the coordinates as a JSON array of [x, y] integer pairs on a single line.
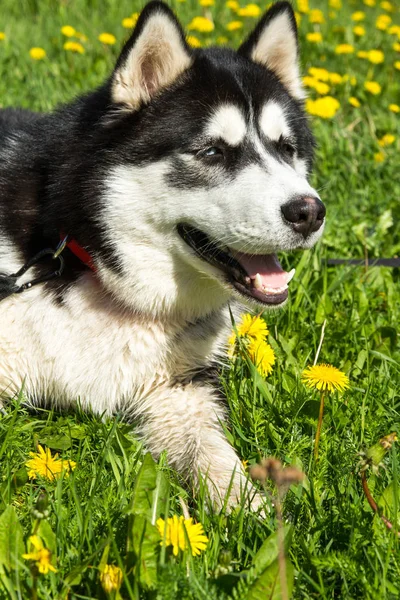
[[258, 276]]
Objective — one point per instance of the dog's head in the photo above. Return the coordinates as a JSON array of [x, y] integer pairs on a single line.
[[207, 175]]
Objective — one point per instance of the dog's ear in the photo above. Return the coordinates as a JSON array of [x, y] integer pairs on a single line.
[[154, 56], [274, 44]]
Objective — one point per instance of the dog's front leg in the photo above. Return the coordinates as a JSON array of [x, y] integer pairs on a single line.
[[186, 422]]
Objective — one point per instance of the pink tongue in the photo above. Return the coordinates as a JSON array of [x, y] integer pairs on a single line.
[[268, 267]]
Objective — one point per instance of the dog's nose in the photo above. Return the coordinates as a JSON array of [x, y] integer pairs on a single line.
[[305, 214]]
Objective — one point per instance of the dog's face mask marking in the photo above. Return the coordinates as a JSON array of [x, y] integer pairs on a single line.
[[211, 179]]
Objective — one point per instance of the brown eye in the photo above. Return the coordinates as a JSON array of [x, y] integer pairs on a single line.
[[286, 147]]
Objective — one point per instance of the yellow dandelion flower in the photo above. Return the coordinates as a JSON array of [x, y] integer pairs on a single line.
[[44, 464], [252, 327], [359, 30], [207, 3], [382, 22], [379, 157], [314, 37], [233, 5], [387, 6], [107, 38], [322, 88], [325, 377], [135, 16], [397, 65], [344, 49], [358, 16], [181, 533], [234, 25], [201, 24], [394, 30], [262, 356], [222, 40], [376, 57], [110, 578], [335, 78], [128, 23], [373, 87], [303, 6], [321, 74], [251, 10], [74, 47], [396, 47], [316, 16], [68, 31], [297, 16], [387, 140], [395, 108], [2, 36], [325, 108], [40, 555], [362, 54], [193, 41], [354, 102], [370, 2], [337, 4], [37, 53]]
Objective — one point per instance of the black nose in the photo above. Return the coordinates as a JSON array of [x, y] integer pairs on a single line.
[[305, 214]]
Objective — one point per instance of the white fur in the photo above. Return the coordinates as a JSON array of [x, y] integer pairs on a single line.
[[227, 123], [277, 50], [273, 122]]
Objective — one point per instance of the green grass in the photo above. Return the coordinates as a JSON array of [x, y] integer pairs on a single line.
[[338, 549]]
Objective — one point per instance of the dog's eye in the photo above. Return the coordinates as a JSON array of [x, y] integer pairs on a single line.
[[287, 147], [211, 152]]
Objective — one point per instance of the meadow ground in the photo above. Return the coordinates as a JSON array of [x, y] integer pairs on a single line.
[[103, 512]]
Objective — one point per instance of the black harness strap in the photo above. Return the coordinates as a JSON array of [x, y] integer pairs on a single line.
[[8, 283]]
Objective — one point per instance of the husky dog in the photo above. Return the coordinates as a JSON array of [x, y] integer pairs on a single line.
[[177, 181]]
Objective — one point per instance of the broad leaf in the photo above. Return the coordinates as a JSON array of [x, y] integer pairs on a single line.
[[269, 550], [11, 540], [268, 585]]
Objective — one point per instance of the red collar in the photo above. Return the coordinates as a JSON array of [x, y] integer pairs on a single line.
[[79, 252]]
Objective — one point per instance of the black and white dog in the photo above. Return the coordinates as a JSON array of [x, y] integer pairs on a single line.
[[177, 181]]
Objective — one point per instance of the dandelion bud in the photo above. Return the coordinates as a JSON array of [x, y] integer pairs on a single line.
[[110, 578], [377, 452], [41, 510]]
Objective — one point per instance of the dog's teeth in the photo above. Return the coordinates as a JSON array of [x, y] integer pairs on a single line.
[[271, 290], [257, 281], [247, 280], [290, 276]]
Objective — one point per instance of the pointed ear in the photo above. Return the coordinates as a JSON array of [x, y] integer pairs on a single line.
[[154, 56], [274, 45]]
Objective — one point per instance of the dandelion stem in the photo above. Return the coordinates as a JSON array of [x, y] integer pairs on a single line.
[[319, 425], [281, 548], [373, 504]]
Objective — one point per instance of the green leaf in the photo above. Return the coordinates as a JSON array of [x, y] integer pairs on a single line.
[[56, 442], [11, 540], [145, 542], [145, 484], [19, 478], [268, 585], [268, 552], [48, 536], [143, 537]]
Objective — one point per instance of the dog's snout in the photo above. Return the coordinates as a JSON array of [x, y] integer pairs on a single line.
[[305, 214]]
